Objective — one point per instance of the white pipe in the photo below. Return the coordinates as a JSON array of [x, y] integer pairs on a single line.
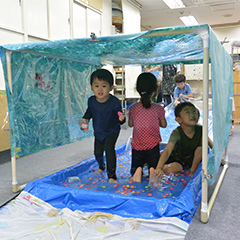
[[48, 19], [204, 209], [15, 186], [217, 187], [13, 157], [24, 21], [71, 18]]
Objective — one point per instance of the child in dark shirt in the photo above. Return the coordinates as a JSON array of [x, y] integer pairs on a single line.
[[184, 148], [106, 112]]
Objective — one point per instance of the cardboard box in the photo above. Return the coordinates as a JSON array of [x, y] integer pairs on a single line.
[[236, 76], [236, 114], [236, 88]]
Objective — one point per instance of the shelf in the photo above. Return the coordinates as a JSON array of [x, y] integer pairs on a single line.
[[119, 88], [119, 83]]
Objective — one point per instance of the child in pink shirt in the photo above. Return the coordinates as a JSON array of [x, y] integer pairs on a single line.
[[145, 117]]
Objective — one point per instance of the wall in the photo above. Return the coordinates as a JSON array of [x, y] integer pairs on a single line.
[[193, 72], [34, 20], [131, 24], [228, 32]]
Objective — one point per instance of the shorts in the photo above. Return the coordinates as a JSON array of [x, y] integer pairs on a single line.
[[183, 164], [141, 157]]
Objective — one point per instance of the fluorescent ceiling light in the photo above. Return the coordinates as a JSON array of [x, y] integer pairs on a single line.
[[189, 20], [174, 4]]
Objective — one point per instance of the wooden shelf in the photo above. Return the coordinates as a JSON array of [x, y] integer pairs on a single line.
[[119, 83]]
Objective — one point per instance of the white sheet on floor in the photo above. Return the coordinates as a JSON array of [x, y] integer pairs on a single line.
[[28, 217]]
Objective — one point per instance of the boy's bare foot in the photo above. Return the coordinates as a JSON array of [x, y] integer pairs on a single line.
[[98, 171], [111, 180], [137, 177]]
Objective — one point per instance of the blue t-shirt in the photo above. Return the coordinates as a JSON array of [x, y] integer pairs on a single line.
[[187, 90], [105, 116]]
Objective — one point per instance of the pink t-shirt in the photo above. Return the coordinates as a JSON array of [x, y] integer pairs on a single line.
[[146, 130]]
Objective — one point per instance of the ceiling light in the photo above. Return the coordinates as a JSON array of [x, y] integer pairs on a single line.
[[189, 20], [174, 4]]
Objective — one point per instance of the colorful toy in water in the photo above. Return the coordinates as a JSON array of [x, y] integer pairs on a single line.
[[84, 126]]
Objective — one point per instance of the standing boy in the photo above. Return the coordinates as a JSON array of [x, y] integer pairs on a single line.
[[183, 89], [184, 148], [106, 112]]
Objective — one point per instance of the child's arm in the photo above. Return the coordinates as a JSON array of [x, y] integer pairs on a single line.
[[130, 123], [162, 160], [121, 118], [189, 95], [163, 123], [210, 143], [196, 160], [198, 156], [86, 117]]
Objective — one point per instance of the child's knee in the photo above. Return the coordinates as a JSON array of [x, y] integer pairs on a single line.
[[172, 168], [167, 168]]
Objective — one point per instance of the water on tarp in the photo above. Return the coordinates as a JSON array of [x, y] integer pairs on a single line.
[[74, 180], [170, 186]]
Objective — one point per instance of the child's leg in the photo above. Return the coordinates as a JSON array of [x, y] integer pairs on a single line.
[[172, 167], [138, 161], [137, 177], [109, 147], [196, 160], [151, 172], [98, 152], [153, 156]]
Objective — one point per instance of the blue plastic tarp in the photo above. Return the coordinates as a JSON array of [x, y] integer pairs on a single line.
[[97, 195]]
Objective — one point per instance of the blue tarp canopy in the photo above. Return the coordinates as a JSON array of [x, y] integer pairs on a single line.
[[47, 83]]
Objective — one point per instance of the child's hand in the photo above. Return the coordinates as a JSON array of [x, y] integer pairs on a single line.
[[159, 172], [83, 124], [121, 116], [81, 121], [192, 171]]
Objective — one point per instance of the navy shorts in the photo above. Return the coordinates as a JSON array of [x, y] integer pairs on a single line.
[[140, 158]]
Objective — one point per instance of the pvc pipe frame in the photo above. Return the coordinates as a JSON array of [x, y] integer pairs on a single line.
[[205, 207], [15, 186]]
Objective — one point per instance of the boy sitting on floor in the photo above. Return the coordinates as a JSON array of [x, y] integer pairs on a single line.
[[184, 148]]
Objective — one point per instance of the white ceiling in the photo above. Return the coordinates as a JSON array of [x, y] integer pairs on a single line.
[[155, 13]]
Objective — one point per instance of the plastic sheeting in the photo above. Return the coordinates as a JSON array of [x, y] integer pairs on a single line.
[[78, 188], [179, 197], [32, 218], [50, 81], [49, 96]]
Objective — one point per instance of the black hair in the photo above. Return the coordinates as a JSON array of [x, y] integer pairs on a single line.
[[180, 107], [180, 78], [102, 75], [146, 85]]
